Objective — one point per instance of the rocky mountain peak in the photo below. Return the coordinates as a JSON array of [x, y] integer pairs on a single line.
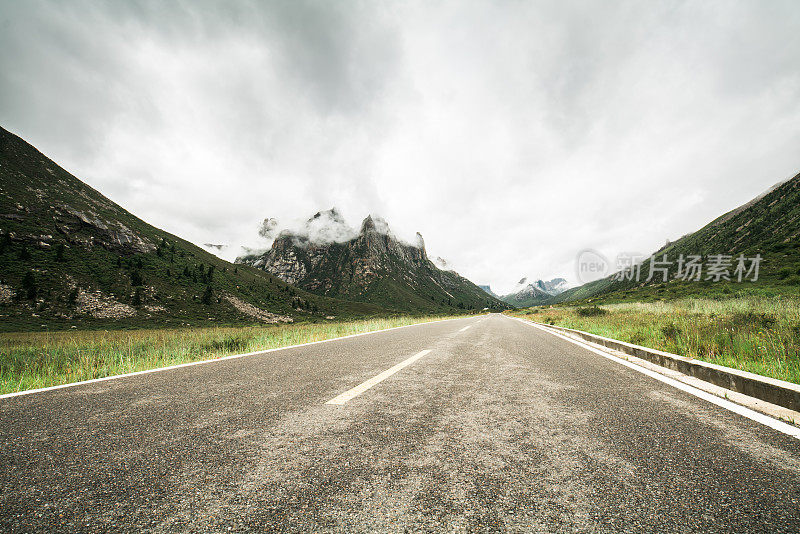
[[324, 228], [420, 243], [368, 225], [370, 265], [331, 214], [375, 224]]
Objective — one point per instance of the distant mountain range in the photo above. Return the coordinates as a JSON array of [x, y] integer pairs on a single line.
[[488, 289], [329, 258], [70, 257], [534, 293], [767, 226]]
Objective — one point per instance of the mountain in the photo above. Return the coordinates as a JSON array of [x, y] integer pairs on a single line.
[[441, 263], [327, 257], [768, 226], [70, 257], [535, 293], [555, 286], [488, 289]]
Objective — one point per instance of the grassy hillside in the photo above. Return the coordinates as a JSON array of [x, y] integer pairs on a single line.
[[768, 226], [71, 258]]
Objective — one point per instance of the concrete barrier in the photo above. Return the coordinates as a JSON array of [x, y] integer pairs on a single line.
[[778, 392]]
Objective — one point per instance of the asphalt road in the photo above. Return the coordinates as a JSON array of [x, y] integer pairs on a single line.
[[499, 427]]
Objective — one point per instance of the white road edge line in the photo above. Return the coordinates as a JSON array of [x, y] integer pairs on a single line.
[[780, 426], [465, 328], [212, 360], [364, 386]]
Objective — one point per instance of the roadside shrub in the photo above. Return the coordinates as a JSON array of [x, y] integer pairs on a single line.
[[591, 311], [637, 338], [231, 343], [670, 331], [752, 319]]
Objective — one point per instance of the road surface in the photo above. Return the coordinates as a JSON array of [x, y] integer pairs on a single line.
[[499, 426]]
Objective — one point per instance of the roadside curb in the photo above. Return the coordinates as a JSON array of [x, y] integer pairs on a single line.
[[779, 392]]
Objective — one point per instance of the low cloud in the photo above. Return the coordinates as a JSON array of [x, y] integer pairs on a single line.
[[323, 228], [326, 227], [268, 228]]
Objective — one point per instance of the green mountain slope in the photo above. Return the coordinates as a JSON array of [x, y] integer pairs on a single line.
[[768, 226], [69, 257], [368, 266]]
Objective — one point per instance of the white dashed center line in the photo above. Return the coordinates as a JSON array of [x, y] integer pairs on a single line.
[[465, 328], [364, 386]]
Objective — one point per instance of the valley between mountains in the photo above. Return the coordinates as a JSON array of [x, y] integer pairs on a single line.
[[70, 257]]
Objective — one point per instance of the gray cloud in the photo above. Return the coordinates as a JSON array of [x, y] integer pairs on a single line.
[[511, 135]]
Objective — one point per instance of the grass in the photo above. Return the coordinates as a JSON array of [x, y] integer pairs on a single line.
[[36, 360], [756, 334]]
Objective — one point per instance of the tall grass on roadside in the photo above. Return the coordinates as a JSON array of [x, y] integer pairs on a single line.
[[35, 360], [756, 334]]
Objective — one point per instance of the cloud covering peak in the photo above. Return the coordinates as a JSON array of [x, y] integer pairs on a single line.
[[327, 227]]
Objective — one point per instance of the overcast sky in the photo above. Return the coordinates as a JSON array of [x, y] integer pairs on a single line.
[[510, 134]]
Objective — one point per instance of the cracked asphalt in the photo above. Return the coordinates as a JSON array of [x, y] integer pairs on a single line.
[[501, 427]]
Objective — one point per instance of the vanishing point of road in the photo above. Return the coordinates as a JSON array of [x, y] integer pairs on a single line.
[[475, 424]]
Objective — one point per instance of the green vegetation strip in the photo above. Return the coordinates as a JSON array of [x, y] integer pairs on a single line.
[[37, 360], [756, 334]]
